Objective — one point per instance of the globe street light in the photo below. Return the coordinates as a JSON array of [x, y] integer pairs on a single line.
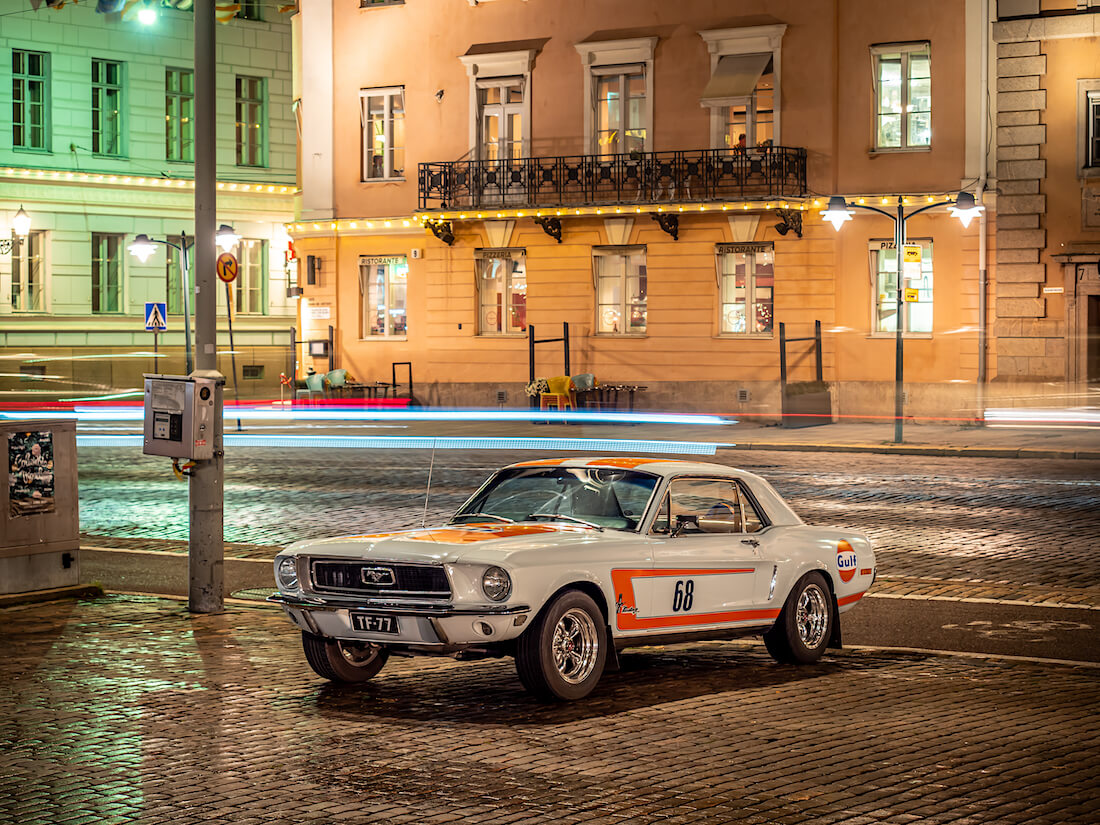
[[20, 228], [142, 248], [838, 213]]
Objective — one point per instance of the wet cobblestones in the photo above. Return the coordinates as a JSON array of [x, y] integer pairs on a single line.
[[127, 710], [1030, 529]]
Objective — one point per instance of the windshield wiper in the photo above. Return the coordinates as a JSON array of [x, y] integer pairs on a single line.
[[564, 516], [484, 515]]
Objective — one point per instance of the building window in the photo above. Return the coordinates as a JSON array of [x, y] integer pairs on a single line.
[[500, 107], [618, 95], [1092, 120], [903, 95], [106, 107], [383, 121], [179, 117], [751, 121], [250, 121], [173, 276], [743, 91], [27, 274], [917, 314], [502, 291], [251, 284], [746, 287], [620, 290], [249, 9], [621, 114], [106, 273], [30, 99], [382, 288], [367, 4]]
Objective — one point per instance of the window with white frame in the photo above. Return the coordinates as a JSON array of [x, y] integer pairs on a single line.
[[743, 90], [620, 273], [502, 291], [903, 95], [746, 278], [106, 107], [27, 274], [621, 119], [106, 272], [250, 121], [917, 315], [173, 275], [500, 115], [250, 288], [383, 122], [383, 285], [1092, 124], [30, 72], [179, 116], [618, 113]]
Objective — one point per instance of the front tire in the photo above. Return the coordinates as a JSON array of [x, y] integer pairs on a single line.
[[805, 625], [340, 661], [562, 655]]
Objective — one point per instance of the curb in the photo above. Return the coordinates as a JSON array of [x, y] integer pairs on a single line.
[[914, 449], [76, 591]]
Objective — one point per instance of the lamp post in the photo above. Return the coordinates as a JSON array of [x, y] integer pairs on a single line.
[[838, 213], [20, 228], [142, 248]]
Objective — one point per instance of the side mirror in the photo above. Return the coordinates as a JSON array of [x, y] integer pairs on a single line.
[[682, 522]]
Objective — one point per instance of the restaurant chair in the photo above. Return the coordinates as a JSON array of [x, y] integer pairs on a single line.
[[560, 394]]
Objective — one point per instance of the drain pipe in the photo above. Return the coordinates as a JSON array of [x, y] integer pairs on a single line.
[[983, 271]]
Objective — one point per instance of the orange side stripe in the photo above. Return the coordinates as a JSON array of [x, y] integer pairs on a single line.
[[855, 597], [628, 621]]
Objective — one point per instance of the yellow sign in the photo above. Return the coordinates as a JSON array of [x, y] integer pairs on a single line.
[[227, 267], [910, 295], [911, 253]]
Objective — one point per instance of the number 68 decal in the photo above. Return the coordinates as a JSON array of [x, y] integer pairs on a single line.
[[684, 595]]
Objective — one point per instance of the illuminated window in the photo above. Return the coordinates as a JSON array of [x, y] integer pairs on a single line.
[[746, 287], [179, 114], [621, 113], [751, 121], [27, 274], [250, 288], [743, 93], [106, 107], [383, 120], [903, 95], [1092, 124], [501, 107], [250, 121], [502, 291], [917, 314], [620, 289], [30, 99], [383, 283], [106, 273]]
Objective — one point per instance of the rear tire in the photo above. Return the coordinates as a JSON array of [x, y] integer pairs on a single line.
[[340, 661], [805, 625], [561, 657]]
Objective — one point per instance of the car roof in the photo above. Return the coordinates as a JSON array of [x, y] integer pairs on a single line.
[[779, 512]]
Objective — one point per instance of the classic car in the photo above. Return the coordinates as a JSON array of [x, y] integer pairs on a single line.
[[563, 562]]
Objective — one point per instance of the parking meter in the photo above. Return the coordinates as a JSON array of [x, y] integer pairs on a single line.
[[179, 417]]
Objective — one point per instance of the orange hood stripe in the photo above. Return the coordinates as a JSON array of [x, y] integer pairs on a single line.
[[474, 532]]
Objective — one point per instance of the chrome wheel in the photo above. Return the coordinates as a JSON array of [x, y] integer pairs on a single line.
[[576, 646], [812, 616], [359, 655]]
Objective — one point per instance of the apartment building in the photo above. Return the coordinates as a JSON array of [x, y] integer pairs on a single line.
[[96, 148], [654, 176]]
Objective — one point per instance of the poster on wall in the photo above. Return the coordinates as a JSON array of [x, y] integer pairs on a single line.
[[30, 473]]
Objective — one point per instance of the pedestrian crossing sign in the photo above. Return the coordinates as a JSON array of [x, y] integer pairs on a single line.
[[156, 316]]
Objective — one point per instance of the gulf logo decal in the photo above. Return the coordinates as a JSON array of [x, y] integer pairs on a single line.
[[846, 561]]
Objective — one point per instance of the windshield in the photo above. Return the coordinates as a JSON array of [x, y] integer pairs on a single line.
[[606, 497]]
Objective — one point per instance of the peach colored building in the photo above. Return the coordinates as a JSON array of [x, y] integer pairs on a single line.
[[652, 174]]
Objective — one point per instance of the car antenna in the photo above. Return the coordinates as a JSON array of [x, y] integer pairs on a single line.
[[428, 490]]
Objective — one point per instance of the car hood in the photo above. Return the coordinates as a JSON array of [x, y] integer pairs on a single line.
[[452, 543]]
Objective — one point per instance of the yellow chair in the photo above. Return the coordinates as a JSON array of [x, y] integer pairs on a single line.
[[560, 394]]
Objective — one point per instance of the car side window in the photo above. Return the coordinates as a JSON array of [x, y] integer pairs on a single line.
[[752, 520], [660, 522], [703, 505]]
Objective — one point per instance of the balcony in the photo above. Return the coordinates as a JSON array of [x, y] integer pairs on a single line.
[[700, 176]]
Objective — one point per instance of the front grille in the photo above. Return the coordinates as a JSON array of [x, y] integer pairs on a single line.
[[422, 580]]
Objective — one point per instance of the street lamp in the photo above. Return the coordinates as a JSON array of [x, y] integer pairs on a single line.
[[227, 238], [142, 248], [20, 228], [838, 213]]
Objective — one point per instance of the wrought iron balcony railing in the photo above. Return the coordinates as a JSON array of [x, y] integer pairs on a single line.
[[699, 176]]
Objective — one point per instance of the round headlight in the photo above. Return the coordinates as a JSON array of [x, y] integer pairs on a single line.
[[286, 573], [496, 583]]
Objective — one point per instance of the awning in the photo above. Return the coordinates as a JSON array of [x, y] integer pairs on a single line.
[[736, 75]]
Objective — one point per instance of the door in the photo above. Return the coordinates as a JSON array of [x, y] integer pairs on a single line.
[[710, 566], [500, 137]]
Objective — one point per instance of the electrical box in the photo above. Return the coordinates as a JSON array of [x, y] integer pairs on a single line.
[[179, 416]]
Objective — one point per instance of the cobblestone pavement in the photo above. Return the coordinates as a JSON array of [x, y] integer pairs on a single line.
[[1004, 528], [127, 710]]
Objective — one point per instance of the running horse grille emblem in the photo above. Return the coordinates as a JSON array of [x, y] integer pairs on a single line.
[[378, 576]]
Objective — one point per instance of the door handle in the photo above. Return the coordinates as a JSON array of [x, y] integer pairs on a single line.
[[750, 542]]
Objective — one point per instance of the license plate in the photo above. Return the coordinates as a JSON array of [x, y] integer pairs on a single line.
[[374, 624]]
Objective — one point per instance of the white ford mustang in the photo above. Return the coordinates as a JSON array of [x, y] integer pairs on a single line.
[[563, 562]]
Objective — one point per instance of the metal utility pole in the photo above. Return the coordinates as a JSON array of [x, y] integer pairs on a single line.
[[205, 542], [899, 348]]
